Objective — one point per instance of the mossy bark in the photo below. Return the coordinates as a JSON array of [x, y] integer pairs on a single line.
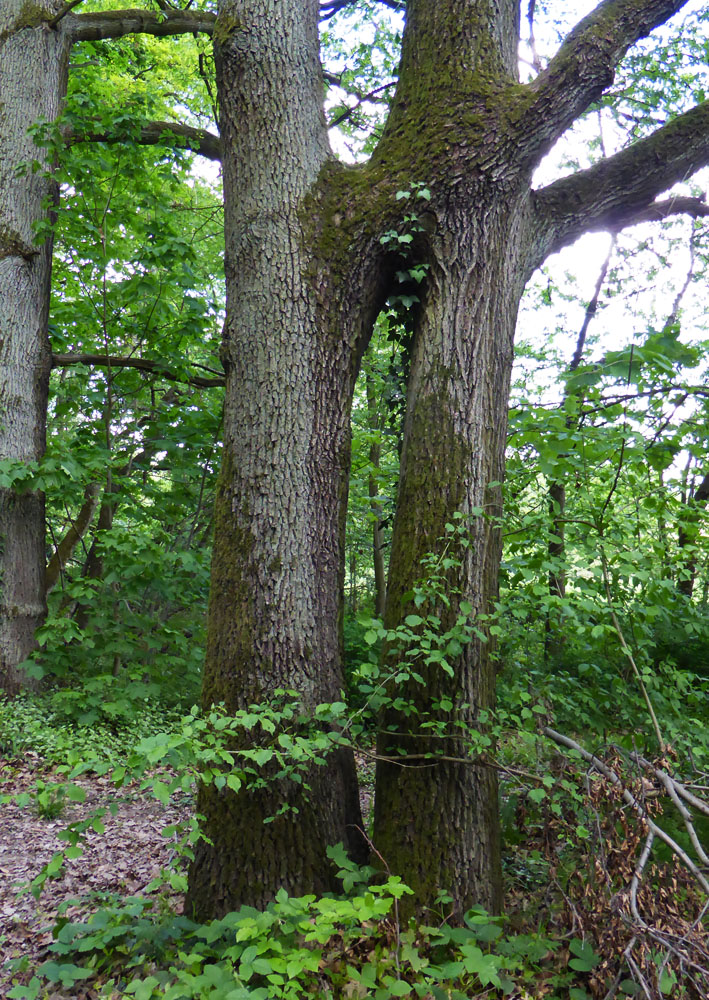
[[437, 825], [275, 611], [306, 272], [33, 68]]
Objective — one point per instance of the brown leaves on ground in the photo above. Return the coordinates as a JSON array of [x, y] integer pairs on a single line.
[[642, 910], [124, 859]]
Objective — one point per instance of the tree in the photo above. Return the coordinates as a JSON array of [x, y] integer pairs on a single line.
[[35, 41], [313, 248]]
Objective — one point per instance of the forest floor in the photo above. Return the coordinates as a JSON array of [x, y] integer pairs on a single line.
[[123, 860]]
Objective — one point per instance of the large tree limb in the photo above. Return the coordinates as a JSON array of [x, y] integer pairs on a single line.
[[585, 65], [116, 23], [76, 531], [143, 364], [621, 190], [199, 140]]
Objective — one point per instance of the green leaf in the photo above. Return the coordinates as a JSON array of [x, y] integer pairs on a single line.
[[586, 958]]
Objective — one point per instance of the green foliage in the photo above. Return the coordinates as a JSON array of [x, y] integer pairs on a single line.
[[326, 947], [31, 727]]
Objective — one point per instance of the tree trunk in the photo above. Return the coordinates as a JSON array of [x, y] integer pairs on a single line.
[[311, 251], [375, 455], [453, 460], [277, 590], [73, 535], [687, 537], [33, 69], [554, 638]]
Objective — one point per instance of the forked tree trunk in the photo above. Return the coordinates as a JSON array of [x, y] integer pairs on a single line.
[[306, 271], [33, 68]]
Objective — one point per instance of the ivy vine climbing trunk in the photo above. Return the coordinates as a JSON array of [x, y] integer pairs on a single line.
[[33, 70]]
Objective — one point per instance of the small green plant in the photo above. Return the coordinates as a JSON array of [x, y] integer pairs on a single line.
[[48, 800]]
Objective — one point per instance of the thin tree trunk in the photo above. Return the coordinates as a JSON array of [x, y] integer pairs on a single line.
[[73, 535], [33, 71], [687, 536], [554, 640]]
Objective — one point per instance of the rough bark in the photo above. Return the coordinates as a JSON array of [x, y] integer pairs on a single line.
[[454, 439], [305, 273], [488, 233], [116, 23], [33, 65], [276, 596]]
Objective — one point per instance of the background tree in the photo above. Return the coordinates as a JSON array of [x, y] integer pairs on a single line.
[[35, 42]]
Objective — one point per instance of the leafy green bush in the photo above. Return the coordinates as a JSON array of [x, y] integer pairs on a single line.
[[347, 946]]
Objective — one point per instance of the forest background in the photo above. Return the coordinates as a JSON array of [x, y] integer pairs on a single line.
[[599, 631]]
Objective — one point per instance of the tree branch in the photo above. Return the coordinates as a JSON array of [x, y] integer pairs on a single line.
[[584, 66], [635, 803], [152, 133], [372, 97], [116, 23], [620, 191], [143, 364], [63, 12], [75, 532], [328, 8]]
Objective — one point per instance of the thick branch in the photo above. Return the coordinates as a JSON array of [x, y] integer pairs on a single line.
[[328, 8], [152, 133], [64, 360], [585, 65], [76, 531], [621, 190], [116, 23]]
